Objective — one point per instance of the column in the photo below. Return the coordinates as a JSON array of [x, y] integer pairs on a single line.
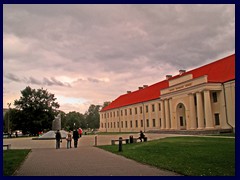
[[170, 113], [200, 111], [167, 113], [208, 110], [193, 121], [162, 115]]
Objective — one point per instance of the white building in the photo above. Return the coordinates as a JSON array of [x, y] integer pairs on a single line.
[[198, 100]]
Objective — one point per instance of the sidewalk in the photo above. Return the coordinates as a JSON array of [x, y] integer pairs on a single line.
[[86, 160]]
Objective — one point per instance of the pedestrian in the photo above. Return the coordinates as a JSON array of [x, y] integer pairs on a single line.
[[16, 134], [69, 140], [80, 132], [58, 139], [141, 136], [75, 137]]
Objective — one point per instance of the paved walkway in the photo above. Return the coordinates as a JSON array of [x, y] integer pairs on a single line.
[[86, 160]]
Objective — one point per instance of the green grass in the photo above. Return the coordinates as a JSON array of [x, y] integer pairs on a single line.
[[190, 156], [12, 160]]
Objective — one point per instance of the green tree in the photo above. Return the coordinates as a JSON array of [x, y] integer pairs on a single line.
[[93, 117], [37, 109], [74, 120]]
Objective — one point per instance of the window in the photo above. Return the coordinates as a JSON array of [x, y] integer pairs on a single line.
[[111, 124], [117, 113], [105, 115], [111, 114], [114, 125], [122, 124], [153, 107], [136, 123], [130, 111], [159, 106], [214, 96], [125, 124], [102, 125], [108, 115], [125, 112], [121, 113], [217, 120], [114, 114], [146, 109], [105, 125], [118, 124], [154, 123], [131, 124], [141, 109], [147, 123], [135, 110], [108, 125], [141, 123]]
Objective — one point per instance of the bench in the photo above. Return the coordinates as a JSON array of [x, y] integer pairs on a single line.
[[7, 145], [117, 140], [134, 140]]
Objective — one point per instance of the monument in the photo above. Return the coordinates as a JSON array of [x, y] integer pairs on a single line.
[[56, 125]]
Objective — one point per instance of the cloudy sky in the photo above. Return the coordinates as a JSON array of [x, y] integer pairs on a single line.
[[88, 54]]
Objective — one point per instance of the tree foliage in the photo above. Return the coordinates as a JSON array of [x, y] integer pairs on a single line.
[[92, 116], [36, 110]]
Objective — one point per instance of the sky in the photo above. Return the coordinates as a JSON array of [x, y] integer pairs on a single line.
[[89, 54]]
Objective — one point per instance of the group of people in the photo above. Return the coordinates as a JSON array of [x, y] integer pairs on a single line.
[[75, 135]]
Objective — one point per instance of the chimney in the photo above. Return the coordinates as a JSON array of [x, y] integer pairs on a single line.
[[181, 71], [145, 86], [128, 92], [168, 77], [140, 88]]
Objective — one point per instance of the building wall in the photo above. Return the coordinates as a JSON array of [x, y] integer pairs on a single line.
[[188, 104]]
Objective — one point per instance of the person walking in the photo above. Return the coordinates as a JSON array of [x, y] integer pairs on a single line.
[[69, 140], [80, 132], [75, 137], [58, 138]]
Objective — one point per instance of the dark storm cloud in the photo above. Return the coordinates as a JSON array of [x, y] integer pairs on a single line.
[[117, 47], [12, 77]]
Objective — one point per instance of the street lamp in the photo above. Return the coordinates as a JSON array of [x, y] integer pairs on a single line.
[[9, 104]]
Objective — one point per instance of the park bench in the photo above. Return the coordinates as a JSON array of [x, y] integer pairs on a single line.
[[7, 145], [117, 140], [134, 140]]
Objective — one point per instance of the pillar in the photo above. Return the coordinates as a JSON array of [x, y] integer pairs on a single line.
[[208, 110], [193, 122], [167, 113], [200, 110]]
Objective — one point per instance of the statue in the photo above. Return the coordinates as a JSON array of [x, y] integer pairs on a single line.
[[56, 124]]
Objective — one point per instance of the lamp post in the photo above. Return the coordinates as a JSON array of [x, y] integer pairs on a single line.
[[9, 104]]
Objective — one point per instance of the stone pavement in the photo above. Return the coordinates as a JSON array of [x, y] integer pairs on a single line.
[[86, 160]]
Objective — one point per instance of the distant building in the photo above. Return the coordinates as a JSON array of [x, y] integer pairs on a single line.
[[200, 99]]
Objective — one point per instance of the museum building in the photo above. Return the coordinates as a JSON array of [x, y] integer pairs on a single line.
[[201, 99]]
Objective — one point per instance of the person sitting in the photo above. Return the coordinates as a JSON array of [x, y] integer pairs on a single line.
[[141, 136]]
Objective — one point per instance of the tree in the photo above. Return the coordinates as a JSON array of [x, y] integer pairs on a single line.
[[37, 109], [92, 116], [74, 120]]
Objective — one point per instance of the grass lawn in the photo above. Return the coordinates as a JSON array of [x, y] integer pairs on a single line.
[[190, 156], [12, 159]]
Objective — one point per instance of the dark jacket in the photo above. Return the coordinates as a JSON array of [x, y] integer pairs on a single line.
[[75, 135], [58, 136]]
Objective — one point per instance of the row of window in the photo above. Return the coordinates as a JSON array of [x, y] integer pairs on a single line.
[[136, 109], [114, 124], [116, 113]]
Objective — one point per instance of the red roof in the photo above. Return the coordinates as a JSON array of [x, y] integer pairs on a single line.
[[219, 71]]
